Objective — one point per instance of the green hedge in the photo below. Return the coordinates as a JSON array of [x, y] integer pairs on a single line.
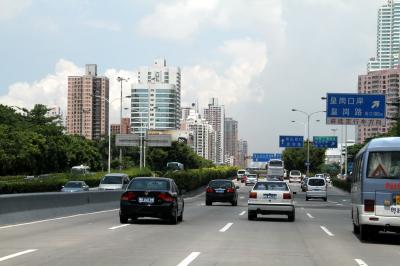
[[194, 178], [54, 182], [342, 184]]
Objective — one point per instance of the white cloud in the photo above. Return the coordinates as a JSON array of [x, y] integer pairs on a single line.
[[52, 89], [248, 59], [12, 8], [103, 25]]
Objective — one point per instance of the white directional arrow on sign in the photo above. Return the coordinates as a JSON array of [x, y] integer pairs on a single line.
[[375, 104]]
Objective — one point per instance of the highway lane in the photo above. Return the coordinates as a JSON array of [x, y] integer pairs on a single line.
[[209, 235]]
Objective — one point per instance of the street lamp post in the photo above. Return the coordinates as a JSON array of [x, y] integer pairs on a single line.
[[308, 134], [120, 80]]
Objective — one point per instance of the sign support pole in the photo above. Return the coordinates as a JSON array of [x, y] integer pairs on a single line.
[[345, 152]]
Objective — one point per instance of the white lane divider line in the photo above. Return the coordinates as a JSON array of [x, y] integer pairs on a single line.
[[361, 262], [310, 216], [334, 202], [344, 200], [339, 204], [326, 231], [242, 213], [17, 254], [241, 197], [226, 227], [119, 226], [56, 219], [189, 259]]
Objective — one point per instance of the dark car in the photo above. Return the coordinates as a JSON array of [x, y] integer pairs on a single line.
[[304, 184], [221, 190], [156, 197]]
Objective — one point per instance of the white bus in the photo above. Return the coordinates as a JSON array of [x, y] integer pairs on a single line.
[[375, 188], [276, 168]]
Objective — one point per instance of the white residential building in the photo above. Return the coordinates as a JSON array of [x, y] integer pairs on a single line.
[[215, 115]]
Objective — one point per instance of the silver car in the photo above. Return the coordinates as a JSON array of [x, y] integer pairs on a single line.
[[316, 188], [75, 186], [251, 179], [271, 197], [114, 181]]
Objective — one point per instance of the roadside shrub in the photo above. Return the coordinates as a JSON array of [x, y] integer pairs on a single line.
[[342, 184]]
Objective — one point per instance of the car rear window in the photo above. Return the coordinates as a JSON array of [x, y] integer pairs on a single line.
[[316, 182], [112, 180], [278, 186], [241, 172], [149, 184], [295, 172], [220, 184], [73, 185]]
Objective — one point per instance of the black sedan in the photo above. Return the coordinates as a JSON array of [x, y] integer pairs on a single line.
[[221, 190], [156, 197]]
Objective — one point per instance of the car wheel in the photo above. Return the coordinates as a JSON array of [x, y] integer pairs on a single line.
[[208, 203], [174, 217], [307, 198], [180, 217], [325, 199], [356, 229], [291, 216], [123, 219], [363, 232], [251, 215], [234, 203]]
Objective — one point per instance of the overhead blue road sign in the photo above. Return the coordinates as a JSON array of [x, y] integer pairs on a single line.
[[291, 141], [325, 141], [278, 156], [263, 157], [355, 109]]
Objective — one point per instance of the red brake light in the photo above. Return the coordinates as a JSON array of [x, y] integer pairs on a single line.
[[369, 205], [230, 190], [210, 190], [253, 195], [287, 196], [129, 195], [165, 197]]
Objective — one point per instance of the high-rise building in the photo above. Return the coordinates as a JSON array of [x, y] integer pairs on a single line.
[[242, 153], [215, 115], [87, 110], [388, 37], [380, 82], [230, 140], [156, 99], [126, 126]]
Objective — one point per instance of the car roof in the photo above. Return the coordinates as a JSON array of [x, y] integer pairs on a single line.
[[153, 178], [116, 174], [316, 177]]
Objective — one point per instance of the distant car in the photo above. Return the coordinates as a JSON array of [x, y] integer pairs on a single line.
[[114, 181], [295, 176], [75, 186], [156, 197], [240, 173], [251, 179], [316, 188], [271, 197], [221, 190], [304, 184], [243, 178], [320, 175]]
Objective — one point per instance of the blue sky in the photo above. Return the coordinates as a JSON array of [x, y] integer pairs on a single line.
[[260, 57]]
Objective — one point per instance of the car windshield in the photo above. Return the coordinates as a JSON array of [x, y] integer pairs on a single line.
[[220, 184], [112, 180], [241, 172], [278, 186], [295, 172], [316, 182], [149, 184], [73, 185], [275, 164], [384, 165]]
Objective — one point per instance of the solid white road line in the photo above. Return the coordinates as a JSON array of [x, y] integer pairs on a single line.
[[17, 254], [242, 213], [360, 262], [189, 259], [309, 215], [326, 231], [55, 219], [226, 227], [119, 226]]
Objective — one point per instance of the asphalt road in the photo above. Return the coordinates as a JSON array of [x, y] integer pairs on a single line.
[[209, 235]]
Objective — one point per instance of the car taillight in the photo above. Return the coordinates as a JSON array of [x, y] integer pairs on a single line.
[[230, 190], [165, 197], [369, 205], [253, 195], [209, 190], [287, 196], [129, 195]]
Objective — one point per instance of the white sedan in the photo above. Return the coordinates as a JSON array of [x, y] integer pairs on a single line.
[[271, 197]]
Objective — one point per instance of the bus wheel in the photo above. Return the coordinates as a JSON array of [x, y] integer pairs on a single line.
[[363, 232]]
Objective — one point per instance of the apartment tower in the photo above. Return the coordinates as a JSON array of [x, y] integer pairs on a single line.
[[215, 115]]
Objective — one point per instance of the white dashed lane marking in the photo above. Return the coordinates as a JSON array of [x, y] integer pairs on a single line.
[[189, 259], [17, 254], [226, 227]]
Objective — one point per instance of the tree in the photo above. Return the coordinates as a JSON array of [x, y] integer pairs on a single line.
[[296, 158]]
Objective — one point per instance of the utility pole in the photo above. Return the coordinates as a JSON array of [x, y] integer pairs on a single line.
[[120, 80]]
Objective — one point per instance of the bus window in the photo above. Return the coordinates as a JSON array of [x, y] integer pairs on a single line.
[[384, 165]]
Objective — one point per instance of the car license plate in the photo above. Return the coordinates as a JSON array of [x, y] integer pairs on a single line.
[[146, 200], [220, 190], [269, 196], [397, 199]]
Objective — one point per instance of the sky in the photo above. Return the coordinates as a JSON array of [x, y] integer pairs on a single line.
[[261, 58]]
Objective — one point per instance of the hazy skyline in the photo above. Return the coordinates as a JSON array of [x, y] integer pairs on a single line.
[[260, 58]]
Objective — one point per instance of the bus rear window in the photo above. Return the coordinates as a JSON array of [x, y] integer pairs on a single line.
[[384, 165], [275, 164]]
